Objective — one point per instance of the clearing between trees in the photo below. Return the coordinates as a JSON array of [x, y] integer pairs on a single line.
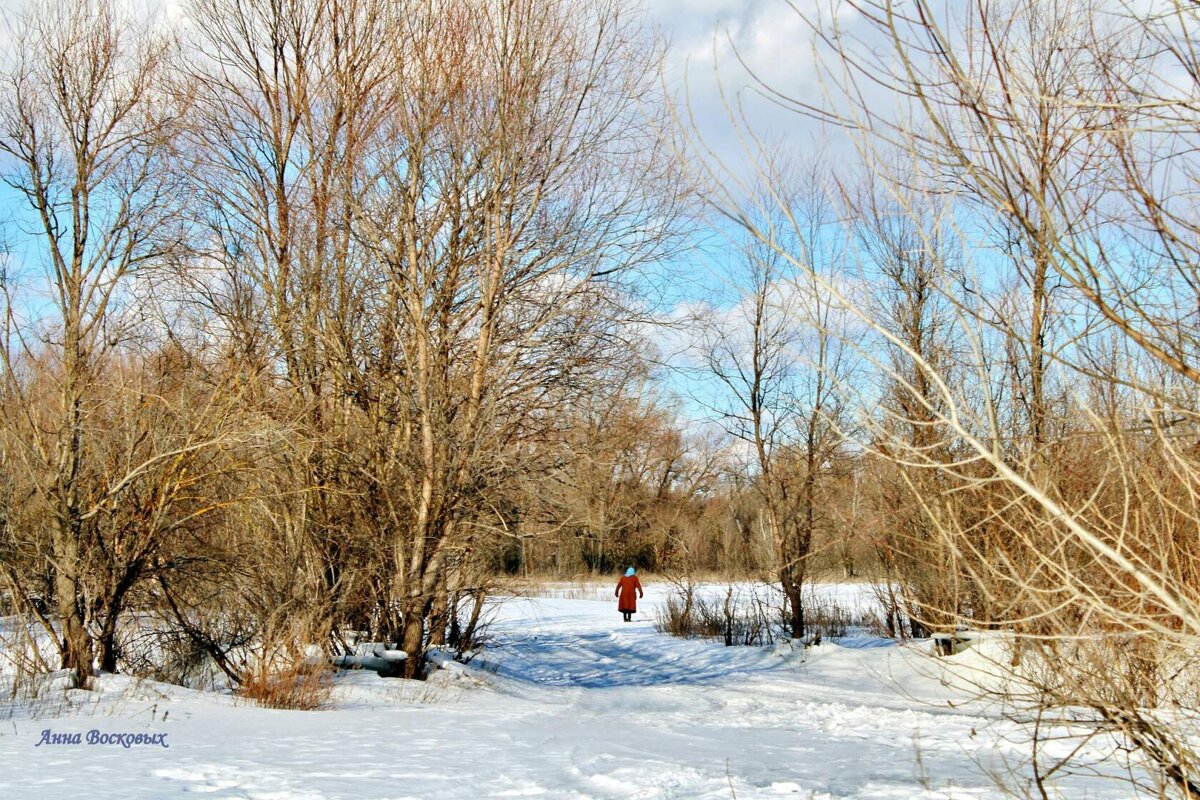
[[566, 702]]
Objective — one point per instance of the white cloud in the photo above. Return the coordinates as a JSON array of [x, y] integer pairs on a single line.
[[739, 47]]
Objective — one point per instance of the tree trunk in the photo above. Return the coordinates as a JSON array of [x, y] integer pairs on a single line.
[[438, 615], [795, 603], [455, 623], [107, 642], [76, 644], [77, 653], [798, 627], [467, 641], [413, 641]]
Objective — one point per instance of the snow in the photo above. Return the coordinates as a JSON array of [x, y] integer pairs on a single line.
[[374, 656], [568, 702]]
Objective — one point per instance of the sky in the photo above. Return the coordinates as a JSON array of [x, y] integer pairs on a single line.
[[707, 42], [706, 39], [722, 53]]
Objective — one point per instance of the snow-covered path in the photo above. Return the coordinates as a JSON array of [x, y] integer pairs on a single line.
[[568, 702]]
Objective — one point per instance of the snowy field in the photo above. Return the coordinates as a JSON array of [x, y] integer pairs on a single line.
[[568, 702]]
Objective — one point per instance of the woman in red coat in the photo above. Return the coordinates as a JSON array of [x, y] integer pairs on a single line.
[[629, 588]]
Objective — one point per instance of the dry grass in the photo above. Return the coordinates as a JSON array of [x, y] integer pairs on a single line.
[[736, 619], [299, 686]]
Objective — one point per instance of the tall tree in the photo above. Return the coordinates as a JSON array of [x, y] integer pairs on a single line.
[[86, 129], [780, 360]]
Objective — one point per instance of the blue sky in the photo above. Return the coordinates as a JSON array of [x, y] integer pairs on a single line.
[[706, 39], [703, 36]]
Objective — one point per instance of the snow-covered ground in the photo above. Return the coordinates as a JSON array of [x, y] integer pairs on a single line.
[[567, 702]]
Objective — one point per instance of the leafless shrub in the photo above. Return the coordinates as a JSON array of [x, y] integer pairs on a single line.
[[299, 685], [829, 621], [23, 664], [1032, 410], [738, 617], [157, 650]]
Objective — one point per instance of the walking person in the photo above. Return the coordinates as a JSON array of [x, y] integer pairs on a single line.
[[629, 589]]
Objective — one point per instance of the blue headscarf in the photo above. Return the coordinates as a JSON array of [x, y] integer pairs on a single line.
[[629, 572]]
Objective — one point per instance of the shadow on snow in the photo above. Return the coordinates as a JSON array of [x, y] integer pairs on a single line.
[[602, 659]]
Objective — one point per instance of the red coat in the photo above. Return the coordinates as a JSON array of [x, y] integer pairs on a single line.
[[628, 590]]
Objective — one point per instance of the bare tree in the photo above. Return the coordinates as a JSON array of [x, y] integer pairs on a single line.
[[421, 215], [86, 127], [289, 101], [514, 186], [780, 359], [907, 263], [1060, 520]]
